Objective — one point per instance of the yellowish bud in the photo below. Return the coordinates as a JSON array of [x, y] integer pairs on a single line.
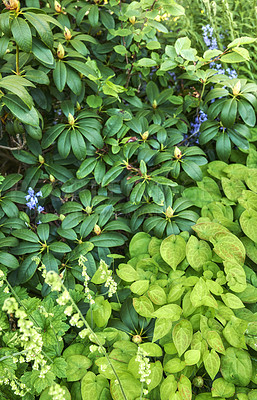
[[78, 106], [52, 178], [137, 339], [236, 89], [169, 212], [97, 230], [177, 153], [67, 33], [62, 217], [60, 51], [154, 105], [132, 20], [41, 159], [145, 135], [57, 6], [88, 209], [71, 119], [12, 4], [198, 381]]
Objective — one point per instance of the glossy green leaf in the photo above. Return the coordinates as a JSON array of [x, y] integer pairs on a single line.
[[42, 27], [60, 75], [20, 110], [22, 34]]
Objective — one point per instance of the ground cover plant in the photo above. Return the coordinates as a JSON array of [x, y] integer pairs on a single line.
[[128, 201]]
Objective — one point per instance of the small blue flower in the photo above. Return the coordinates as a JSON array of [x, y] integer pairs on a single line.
[[208, 37], [32, 200], [195, 126], [31, 204], [231, 73], [31, 191]]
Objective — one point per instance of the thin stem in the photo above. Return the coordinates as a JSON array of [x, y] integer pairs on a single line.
[[98, 342], [17, 60], [202, 92], [13, 355], [142, 391], [57, 341], [91, 316]]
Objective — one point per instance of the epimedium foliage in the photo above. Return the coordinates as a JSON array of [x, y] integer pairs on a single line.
[[181, 321], [101, 105]]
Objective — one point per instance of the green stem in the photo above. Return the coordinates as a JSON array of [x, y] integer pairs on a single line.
[[57, 341], [142, 391], [202, 92], [98, 343], [91, 316], [13, 355], [17, 60]]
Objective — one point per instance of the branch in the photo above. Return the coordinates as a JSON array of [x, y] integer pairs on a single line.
[[13, 148]]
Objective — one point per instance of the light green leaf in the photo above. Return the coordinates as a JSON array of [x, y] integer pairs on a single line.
[[173, 250], [221, 388], [143, 306], [77, 366], [169, 311], [197, 252], [192, 357], [211, 362], [182, 335], [146, 62], [162, 327]]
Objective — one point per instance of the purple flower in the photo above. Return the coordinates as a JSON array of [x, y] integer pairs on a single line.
[[209, 38], [199, 119], [231, 73], [31, 191], [32, 200]]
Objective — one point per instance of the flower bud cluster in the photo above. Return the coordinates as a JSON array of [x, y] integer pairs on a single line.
[[17, 387], [42, 267], [2, 277], [64, 298], [82, 264], [110, 282], [53, 280], [30, 339], [144, 369]]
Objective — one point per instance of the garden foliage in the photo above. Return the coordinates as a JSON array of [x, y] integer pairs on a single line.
[[128, 203]]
